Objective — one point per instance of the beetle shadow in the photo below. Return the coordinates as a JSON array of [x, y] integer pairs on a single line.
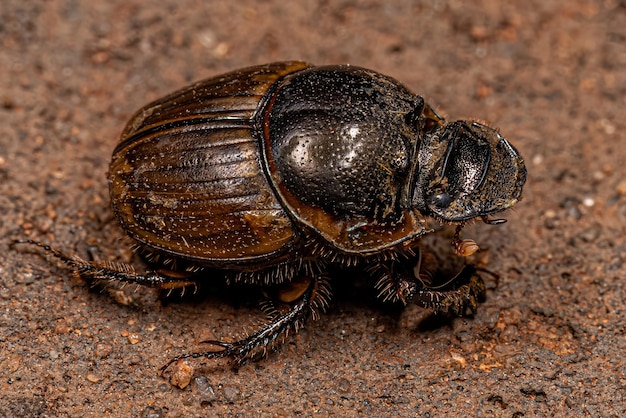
[[353, 290], [213, 285]]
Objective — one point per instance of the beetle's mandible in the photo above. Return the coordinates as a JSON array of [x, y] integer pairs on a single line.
[[275, 172]]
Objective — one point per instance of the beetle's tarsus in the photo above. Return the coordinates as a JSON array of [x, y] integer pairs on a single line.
[[72, 262], [228, 351], [94, 272]]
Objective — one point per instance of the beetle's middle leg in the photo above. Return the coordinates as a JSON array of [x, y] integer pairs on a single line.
[[304, 297]]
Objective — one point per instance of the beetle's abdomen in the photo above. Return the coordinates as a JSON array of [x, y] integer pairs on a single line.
[[189, 182]]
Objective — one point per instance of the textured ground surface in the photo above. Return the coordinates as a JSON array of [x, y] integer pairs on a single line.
[[549, 340]]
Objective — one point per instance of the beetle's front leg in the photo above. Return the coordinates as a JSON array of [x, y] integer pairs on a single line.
[[459, 295]]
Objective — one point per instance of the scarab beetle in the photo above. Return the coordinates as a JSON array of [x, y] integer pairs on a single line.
[[275, 172]]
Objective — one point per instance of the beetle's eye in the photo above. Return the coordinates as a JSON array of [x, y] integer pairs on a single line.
[[441, 200], [467, 162]]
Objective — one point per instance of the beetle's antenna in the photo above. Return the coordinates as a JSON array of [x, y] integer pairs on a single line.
[[465, 247]]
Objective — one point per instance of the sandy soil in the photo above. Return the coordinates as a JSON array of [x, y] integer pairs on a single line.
[[548, 341]]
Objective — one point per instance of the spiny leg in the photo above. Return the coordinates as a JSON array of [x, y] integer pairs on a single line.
[[459, 300], [396, 281], [459, 295], [95, 272], [314, 297]]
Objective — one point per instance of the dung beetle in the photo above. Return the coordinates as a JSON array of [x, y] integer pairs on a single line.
[[275, 173]]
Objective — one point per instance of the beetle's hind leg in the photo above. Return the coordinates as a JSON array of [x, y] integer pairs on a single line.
[[301, 305], [98, 272]]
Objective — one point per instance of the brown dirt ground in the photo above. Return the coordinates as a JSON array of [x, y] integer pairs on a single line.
[[548, 341]]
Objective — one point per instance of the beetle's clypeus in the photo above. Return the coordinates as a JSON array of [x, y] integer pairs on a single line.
[[274, 172]]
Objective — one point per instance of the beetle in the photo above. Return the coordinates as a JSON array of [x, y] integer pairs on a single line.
[[275, 172]]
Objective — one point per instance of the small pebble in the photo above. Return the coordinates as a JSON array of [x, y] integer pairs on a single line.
[[621, 188], [181, 374], [230, 393], [93, 378], [204, 388]]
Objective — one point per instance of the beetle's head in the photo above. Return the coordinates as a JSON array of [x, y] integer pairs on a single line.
[[467, 170]]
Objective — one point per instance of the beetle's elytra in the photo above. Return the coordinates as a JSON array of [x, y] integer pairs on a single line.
[[274, 172]]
